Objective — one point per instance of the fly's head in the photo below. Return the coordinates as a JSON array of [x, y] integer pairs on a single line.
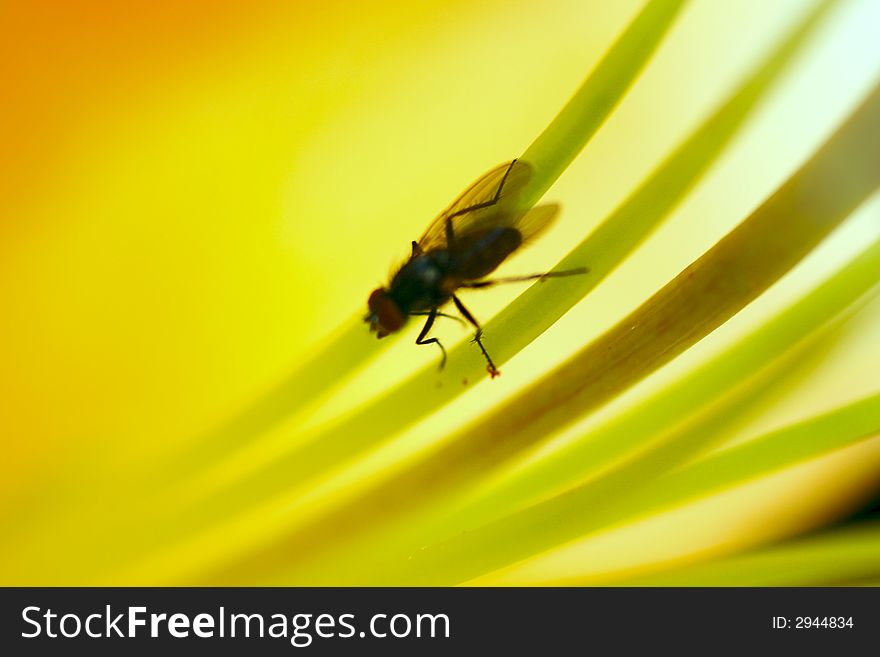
[[384, 316]]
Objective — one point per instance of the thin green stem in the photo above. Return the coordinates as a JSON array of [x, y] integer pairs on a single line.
[[831, 558], [575, 514]]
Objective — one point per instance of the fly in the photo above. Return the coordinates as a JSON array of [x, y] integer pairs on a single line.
[[462, 246]]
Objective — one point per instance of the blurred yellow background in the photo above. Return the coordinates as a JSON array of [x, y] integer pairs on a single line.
[[193, 195]]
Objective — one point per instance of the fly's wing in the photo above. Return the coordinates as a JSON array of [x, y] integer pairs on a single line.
[[530, 224], [481, 206]]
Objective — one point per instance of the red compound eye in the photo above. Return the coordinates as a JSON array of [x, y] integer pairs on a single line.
[[385, 316]]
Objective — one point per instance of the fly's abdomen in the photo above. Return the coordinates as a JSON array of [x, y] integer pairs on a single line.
[[479, 253]]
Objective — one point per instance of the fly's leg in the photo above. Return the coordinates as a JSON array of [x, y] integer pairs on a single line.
[[438, 313], [490, 366], [427, 327], [530, 277], [478, 206], [450, 236]]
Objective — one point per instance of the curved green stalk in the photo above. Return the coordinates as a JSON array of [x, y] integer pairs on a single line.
[[574, 514], [831, 558], [565, 137], [641, 426], [350, 347]]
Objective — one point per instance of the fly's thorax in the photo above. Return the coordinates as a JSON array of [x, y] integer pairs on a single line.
[[420, 283]]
